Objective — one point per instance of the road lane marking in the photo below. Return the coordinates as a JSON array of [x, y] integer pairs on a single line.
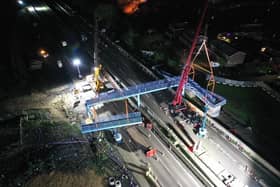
[[178, 163]]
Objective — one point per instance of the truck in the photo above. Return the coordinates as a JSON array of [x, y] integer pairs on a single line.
[[150, 152]]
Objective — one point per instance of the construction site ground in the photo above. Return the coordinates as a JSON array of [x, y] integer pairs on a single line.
[[53, 151], [46, 154]]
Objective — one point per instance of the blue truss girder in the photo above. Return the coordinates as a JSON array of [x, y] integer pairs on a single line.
[[117, 117], [212, 100], [113, 122]]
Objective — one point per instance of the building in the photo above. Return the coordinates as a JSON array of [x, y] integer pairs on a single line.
[[226, 53]]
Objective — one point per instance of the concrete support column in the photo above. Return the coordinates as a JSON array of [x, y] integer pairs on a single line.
[[138, 101]]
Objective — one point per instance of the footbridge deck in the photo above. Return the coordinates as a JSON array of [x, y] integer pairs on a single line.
[[112, 122], [213, 100]]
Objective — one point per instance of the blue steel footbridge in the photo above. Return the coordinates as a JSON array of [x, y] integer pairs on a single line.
[[213, 101]]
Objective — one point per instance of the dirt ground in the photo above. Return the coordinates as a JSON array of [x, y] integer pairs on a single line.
[[51, 154], [44, 159], [59, 179], [138, 139]]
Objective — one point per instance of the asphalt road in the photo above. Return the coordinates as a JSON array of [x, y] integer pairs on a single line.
[[168, 169], [165, 166], [135, 143], [218, 149]]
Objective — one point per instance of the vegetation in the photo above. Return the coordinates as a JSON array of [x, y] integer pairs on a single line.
[[151, 42], [158, 57], [253, 106], [108, 14], [129, 38], [221, 60], [172, 63], [48, 149], [264, 69]]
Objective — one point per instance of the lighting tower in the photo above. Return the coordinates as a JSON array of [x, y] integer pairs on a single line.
[[95, 52], [97, 66], [77, 62]]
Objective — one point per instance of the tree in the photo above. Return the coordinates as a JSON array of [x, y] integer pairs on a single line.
[[172, 63], [129, 38], [107, 14], [151, 42], [159, 56]]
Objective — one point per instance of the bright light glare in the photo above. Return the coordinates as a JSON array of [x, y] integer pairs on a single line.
[[41, 8], [38, 8], [42, 52], [76, 61], [20, 2], [31, 9], [263, 49]]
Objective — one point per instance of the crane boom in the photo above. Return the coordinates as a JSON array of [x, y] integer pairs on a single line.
[[185, 73]]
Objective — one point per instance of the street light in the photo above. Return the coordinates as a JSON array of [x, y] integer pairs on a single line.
[[77, 63], [43, 53], [20, 2]]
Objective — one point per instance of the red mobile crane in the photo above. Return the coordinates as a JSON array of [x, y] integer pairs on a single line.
[[185, 73], [187, 69]]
